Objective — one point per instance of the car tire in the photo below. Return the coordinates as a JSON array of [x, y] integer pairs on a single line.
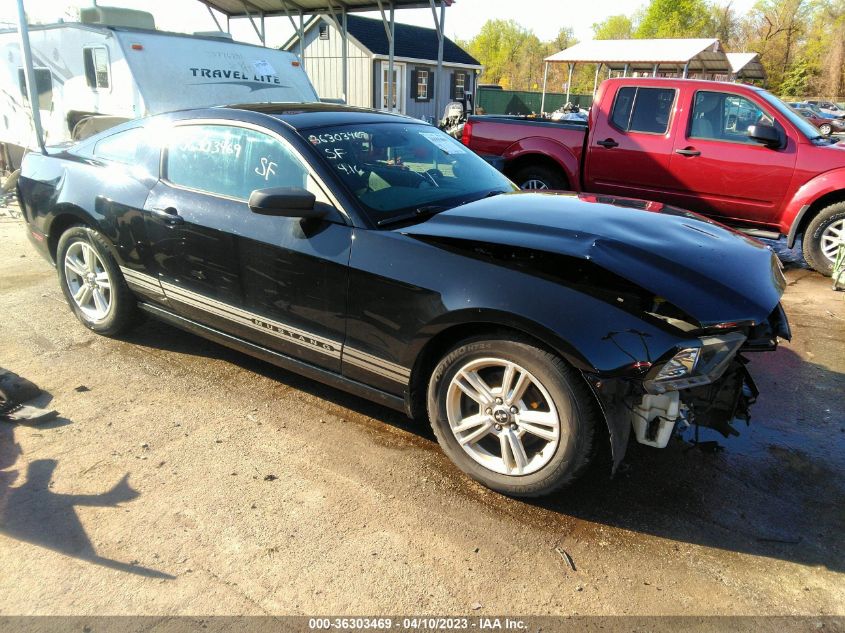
[[825, 129], [553, 389], [540, 177], [820, 237], [86, 268]]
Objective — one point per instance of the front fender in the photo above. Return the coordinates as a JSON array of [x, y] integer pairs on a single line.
[[796, 209], [566, 159]]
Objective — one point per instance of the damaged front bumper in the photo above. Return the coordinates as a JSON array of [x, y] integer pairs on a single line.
[[702, 382]]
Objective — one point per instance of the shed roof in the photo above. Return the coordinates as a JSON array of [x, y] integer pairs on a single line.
[[413, 42]]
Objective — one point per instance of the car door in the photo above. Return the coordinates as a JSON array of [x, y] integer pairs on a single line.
[[276, 281], [629, 152], [723, 172]]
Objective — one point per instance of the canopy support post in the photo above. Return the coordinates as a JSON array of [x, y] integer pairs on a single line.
[[625, 71], [263, 31], [440, 25], [686, 70], [251, 21], [29, 77], [391, 91], [569, 82], [654, 71], [545, 81], [596, 79], [345, 55], [214, 17], [299, 30]]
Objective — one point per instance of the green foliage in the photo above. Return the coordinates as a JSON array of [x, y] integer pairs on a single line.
[[615, 27], [676, 18], [801, 43]]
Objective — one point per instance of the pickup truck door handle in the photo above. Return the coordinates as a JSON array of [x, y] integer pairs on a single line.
[[688, 152], [168, 214], [608, 143]]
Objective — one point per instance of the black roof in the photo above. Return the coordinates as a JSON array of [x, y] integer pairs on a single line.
[[415, 42], [303, 116]]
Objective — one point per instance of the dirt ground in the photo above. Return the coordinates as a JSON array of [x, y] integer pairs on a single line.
[[184, 478]]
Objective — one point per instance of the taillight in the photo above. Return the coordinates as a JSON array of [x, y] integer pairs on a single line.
[[466, 136]]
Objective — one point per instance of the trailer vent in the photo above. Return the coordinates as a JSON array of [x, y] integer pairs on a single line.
[[220, 35], [116, 16]]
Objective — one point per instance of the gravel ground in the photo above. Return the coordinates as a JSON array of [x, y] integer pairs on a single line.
[[184, 478]]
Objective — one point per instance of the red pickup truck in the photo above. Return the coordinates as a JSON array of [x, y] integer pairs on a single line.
[[732, 152]]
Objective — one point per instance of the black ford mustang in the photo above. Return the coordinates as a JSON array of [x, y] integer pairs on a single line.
[[377, 254]]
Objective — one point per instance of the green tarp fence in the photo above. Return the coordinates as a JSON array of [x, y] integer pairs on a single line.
[[524, 102]]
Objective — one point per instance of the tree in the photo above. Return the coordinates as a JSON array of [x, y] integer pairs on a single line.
[[616, 27], [676, 18]]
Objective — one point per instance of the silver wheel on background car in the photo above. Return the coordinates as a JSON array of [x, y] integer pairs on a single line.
[[831, 237], [825, 129], [533, 184], [88, 280], [502, 416]]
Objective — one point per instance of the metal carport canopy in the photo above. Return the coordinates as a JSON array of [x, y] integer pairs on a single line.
[[643, 55], [335, 10]]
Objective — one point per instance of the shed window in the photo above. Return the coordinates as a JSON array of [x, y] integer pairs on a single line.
[[422, 85], [96, 60], [460, 85], [324, 31]]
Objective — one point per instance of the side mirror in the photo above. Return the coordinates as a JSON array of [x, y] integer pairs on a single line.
[[288, 202], [767, 135]]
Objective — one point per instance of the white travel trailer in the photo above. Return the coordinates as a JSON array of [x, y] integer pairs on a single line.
[[114, 65]]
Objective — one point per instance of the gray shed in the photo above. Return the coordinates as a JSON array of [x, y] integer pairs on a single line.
[[415, 65]]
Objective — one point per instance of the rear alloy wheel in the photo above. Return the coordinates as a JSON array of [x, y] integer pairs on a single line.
[[823, 236], [512, 416], [825, 129], [539, 177], [92, 283]]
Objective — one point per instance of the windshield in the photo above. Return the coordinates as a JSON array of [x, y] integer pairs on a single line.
[[804, 126], [396, 169]]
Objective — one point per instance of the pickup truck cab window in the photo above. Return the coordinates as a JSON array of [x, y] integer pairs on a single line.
[[645, 110], [722, 116], [393, 169], [230, 161]]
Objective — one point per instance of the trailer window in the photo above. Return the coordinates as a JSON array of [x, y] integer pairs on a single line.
[[43, 86], [96, 60], [643, 109]]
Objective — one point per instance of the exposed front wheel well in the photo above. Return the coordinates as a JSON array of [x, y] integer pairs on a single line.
[[825, 201]]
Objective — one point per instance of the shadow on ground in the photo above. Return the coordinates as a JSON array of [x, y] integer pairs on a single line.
[[32, 513], [775, 491]]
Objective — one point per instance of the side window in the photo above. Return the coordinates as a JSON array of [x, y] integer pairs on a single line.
[[230, 161], [643, 109], [43, 86], [123, 147], [722, 116], [96, 60]]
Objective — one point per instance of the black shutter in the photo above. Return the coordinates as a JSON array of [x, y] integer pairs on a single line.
[[414, 94], [453, 87]]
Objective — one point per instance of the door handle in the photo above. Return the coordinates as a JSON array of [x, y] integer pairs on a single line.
[[688, 152], [608, 143], [168, 214]]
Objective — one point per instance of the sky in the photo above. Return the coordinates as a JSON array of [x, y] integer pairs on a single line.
[[464, 18]]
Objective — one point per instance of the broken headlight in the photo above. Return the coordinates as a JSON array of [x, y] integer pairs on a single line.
[[699, 363]]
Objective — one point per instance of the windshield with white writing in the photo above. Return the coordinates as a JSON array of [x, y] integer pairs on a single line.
[[397, 169]]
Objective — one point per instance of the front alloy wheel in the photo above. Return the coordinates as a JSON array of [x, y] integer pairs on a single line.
[[502, 416], [514, 417]]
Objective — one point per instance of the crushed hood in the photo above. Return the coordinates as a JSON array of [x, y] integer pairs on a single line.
[[711, 272]]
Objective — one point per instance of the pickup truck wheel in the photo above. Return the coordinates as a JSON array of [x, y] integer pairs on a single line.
[[92, 283], [513, 417], [825, 129], [534, 177], [823, 236]]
